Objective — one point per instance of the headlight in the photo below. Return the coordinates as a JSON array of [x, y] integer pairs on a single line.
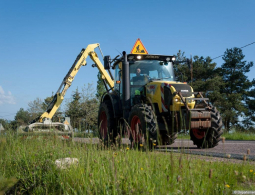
[[176, 99]]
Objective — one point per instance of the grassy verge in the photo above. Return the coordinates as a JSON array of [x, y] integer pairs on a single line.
[[27, 166], [239, 136]]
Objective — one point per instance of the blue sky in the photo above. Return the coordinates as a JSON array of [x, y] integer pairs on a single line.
[[39, 40]]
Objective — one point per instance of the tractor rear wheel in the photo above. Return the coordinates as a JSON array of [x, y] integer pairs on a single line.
[[106, 122], [208, 138], [143, 125]]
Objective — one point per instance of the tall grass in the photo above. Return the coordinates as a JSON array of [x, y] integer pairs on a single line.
[[27, 167]]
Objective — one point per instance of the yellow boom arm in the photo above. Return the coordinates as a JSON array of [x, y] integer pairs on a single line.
[[80, 61]]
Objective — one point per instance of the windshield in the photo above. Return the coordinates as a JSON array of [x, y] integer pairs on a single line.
[[152, 70]]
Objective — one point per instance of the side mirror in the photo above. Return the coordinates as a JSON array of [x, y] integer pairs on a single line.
[[107, 62]]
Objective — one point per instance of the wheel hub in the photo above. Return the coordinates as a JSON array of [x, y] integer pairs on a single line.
[[199, 134], [136, 129]]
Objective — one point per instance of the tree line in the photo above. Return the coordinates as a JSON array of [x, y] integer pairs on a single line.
[[227, 86], [82, 108]]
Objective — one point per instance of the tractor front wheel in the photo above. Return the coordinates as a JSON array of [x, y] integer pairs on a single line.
[[106, 122], [210, 137], [143, 126]]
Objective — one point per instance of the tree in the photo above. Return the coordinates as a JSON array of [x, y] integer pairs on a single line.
[[181, 70], [100, 86], [8, 125], [89, 107], [22, 117], [5, 123], [204, 79], [83, 108], [250, 106], [46, 102], [203, 74], [35, 108], [89, 112], [74, 109], [236, 91]]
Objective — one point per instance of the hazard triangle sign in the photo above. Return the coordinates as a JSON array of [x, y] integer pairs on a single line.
[[139, 48], [66, 122]]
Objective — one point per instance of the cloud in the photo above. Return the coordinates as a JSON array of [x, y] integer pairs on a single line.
[[6, 98]]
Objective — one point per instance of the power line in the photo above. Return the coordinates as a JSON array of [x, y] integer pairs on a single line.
[[240, 48]]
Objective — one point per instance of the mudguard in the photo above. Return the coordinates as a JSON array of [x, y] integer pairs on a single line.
[[116, 103]]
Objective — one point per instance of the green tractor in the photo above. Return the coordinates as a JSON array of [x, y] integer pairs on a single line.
[[149, 106]]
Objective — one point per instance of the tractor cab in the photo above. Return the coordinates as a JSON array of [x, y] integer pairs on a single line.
[[144, 69], [150, 67]]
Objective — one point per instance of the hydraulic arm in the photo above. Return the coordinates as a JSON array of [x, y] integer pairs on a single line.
[[68, 79]]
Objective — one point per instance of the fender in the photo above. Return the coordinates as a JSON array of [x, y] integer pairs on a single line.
[[116, 103]]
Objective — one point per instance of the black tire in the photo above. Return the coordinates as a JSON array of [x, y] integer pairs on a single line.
[[212, 135], [143, 119], [106, 122]]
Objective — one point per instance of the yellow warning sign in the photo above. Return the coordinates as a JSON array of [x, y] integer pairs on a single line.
[[139, 48], [66, 122]]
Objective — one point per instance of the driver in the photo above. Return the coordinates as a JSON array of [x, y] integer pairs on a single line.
[[138, 72], [139, 79]]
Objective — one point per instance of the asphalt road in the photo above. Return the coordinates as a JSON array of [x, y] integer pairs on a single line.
[[228, 149]]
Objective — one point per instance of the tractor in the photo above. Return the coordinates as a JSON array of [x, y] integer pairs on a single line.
[[149, 106], [143, 102]]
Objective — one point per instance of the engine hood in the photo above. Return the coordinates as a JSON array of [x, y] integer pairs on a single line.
[[178, 86]]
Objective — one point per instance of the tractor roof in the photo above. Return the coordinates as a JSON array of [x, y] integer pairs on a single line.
[[137, 57]]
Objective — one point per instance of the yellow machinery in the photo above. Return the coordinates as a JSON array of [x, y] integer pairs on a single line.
[[44, 122]]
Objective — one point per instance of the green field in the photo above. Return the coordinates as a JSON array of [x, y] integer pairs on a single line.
[[27, 167]]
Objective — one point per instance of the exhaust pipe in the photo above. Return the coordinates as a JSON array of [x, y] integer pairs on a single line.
[[125, 87]]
